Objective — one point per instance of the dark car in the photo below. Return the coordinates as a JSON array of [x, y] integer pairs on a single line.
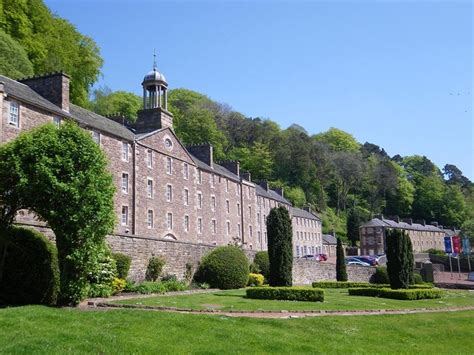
[[372, 261]]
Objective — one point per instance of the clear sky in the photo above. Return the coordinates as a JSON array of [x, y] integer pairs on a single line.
[[394, 73]]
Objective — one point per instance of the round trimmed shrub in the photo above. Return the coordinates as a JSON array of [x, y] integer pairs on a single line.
[[417, 279], [255, 280], [154, 268], [225, 268], [29, 271], [380, 276], [263, 262], [122, 262]]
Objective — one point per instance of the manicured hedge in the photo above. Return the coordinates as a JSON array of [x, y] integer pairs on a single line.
[[400, 294], [29, 271], [345, 284], [225, 267], [286, 293]]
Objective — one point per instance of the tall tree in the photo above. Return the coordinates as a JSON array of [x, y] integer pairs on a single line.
[[257, 159], [338, 140], [14, 61], [400, 261], [353, 224], [105, 102], [280, 247], [341, 270]]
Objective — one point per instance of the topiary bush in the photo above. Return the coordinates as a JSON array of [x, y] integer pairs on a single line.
[[154, 268], [286, 293], [262, 261], [400, 259], [29, 271], [225, 267], [380, 276], [417, 279], [341, 270], [255, 280], [280, 247], [122, 263]]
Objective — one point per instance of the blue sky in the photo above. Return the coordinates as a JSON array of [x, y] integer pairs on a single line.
[[394, 73]]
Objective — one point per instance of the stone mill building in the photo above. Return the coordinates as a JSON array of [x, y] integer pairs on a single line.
[[170, 200]]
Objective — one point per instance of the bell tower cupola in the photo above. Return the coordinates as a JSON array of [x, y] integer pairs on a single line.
[[154, 114]]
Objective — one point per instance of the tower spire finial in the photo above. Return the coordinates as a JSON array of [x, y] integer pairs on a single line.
[[154, 59]]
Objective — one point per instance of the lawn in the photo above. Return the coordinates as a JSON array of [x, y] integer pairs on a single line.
[[37, 329], [335, 299]]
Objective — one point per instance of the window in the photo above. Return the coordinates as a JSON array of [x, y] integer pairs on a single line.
[[200, 225], [266, 240], [213, 203], [214, 226], [238, 208], [57, 121], [226, 185], [149, 188], [199, 200], [250, 232], [186, 223], [228, 227], [186, 197], [149, 158], [259, 235], [297, 235], [199, 177], [14, 116], [250, 211], [169, 221], [258, 218], [125, 183], [237, 189], [149, 219], [124, 215], [227, 203], [298, 251], [169, 193], [238, 230], [96, 137], [169, 167], [248, 191], [124, 151], [213, 180], [185, 171]]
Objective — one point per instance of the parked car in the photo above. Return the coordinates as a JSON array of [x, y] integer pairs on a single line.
[[312, 257], [371, 260], [354, 261], [323, 257]]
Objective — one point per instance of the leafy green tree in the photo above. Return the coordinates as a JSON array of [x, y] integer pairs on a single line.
[[341, 270], [338, 140], [61, 175], [105, 102], [353, 223], [399, 201], [257, 159], [14, 61], [454, 175], [280, 247], [468, 229], [296, 196], [400, 261]]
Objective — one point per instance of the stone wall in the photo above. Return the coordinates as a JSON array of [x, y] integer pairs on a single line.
[[177, 254], [308, 271]]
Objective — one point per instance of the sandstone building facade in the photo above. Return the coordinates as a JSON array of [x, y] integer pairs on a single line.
[[423, 236], [164, 190]]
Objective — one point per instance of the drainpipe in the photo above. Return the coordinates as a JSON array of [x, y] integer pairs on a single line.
[[134, 199]]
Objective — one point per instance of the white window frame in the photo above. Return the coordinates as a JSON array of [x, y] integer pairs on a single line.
[[149, 187], [125, 151], [124, 218], [149, 158], [149, 219], [169, 166], [125, 183], [14, 114], [169, 193], [169, 221]]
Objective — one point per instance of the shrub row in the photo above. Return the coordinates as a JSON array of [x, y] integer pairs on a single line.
[[400, 294], [286, 293], [349, 284], [148, 287]]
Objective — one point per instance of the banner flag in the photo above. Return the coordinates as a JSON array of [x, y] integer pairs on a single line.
[[456, 244], [447, 245], [466, 246]]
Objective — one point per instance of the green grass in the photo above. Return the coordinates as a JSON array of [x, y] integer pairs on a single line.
[[42, 330], [335, 299]]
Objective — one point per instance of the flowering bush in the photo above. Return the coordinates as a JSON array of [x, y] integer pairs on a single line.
[[255, 279]]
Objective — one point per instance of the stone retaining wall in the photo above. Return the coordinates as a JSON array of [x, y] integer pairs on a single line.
[[308, 271]]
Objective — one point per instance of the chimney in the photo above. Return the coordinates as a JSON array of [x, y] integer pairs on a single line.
[[246, 176], [308, 209], [231, 165], [379, 216], [434, 224], [204, 152], [264, 185], [280, 191], [421, 221], [120, 118], [53, 87], [408, 220]]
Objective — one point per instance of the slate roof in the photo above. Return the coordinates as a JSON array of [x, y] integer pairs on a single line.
[[271, 195], [24, 93], [298, 212], [216, 168], [329, 239], [376, 222], [101, 123]]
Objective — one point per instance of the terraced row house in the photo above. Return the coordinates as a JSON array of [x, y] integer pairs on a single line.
[[423, 236], [164, 190]]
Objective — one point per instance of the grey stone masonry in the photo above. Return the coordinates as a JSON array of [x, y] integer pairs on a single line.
[[53, 87]]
